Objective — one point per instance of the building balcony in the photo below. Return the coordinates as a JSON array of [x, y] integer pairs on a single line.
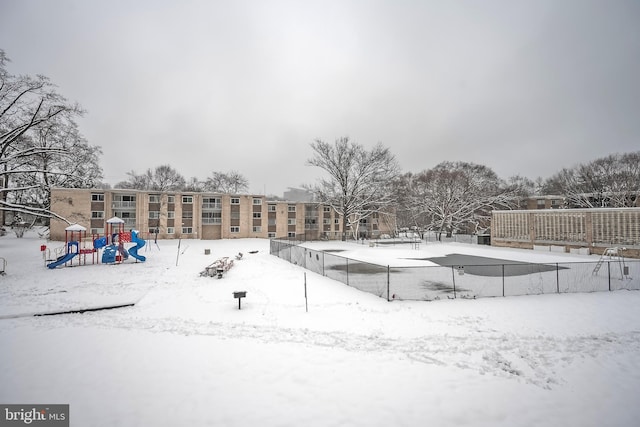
[[121, 205], [212, 206]]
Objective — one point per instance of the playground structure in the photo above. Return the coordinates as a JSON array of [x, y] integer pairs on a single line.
[[78, 246], [616, 256]]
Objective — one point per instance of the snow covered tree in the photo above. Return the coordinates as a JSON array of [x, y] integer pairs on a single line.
[[611, 181], [40, 145], [456, 196], [61, 158], [406, 216], [360, 182]]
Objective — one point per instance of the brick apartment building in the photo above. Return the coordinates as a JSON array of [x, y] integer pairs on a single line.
[[202, 215]]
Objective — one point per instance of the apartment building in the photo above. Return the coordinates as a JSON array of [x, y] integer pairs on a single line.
[[543, 202], [201, 215]]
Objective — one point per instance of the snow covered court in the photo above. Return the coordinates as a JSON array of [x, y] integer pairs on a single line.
[[185, 355]]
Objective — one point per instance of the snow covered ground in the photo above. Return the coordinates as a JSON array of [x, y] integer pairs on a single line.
[[185, 354]]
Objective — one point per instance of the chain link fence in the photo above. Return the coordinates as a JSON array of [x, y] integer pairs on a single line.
[[463, 280]]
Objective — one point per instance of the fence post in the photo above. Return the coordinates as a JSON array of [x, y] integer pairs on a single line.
[[388, 282], [453, 275], [609, 273], [557, 278], [347, 271], [503, 280], [323, 263]]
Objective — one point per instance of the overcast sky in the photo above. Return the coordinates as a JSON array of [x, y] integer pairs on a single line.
[[523, 87]]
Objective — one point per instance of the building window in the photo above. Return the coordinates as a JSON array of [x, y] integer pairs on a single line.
[[271, 235], [187, 214], [124, 201], [187, 200], [272, 208], [171, 230], [291, 234], [211, 217], [171, 199], [336, 221], [235, 229], [187, 230], [97, 214], [326, 209], [211, 203], [154, 198], [154, 215], [125, 214], [257, 215], [291, 208], [257, 201], [171, 215], [97, 197], [257, 229], [235, 201], [291, 221]]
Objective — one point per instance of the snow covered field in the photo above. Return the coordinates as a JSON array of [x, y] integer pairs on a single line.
[[185, 354]]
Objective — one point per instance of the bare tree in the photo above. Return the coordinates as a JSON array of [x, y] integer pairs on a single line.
[[61, 158], [611, 181], [521, 188], [232, 182], [163, 178], [406, 216], [195, 185], [135, 181], [360, 182], [38, 138], [458, 196]]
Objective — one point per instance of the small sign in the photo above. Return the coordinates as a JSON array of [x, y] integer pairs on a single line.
[[239, 295]]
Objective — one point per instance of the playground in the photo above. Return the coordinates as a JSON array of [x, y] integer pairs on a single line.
[[79, 249]]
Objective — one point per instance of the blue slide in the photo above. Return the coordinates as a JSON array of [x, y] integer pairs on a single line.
[[139, 244], [62, 260]]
